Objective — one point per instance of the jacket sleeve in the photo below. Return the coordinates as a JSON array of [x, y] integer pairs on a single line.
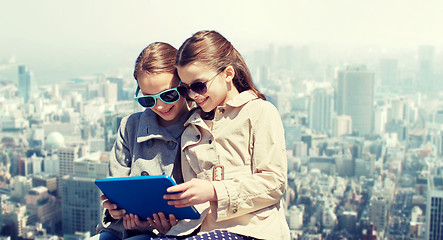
[[121, 154], [119, 165], [254, 193]]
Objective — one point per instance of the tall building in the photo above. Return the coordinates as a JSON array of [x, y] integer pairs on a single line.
[[380, 119], [67, 156], [341, 125], [398, 110], [434, 208], [378, 208], [425, 79], [24, 82], [355, 94], [388, 73], [81, 206], [321, 108], [110, 92], [120, 89]]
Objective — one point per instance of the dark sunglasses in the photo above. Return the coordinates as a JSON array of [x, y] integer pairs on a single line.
[[200, 87], [168, 96]]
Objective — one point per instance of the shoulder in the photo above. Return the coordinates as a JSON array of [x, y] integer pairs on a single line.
[[135, 117], [259, 107]]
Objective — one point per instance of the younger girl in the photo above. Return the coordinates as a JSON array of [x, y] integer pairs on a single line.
[[148, 142], [233, 149]]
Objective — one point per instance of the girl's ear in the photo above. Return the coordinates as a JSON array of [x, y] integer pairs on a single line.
[[229, 73]]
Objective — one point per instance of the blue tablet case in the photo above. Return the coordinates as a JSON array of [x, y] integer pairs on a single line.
[[143, 196]]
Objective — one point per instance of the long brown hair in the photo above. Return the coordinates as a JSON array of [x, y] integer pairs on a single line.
[[212, 49], [157, 57]]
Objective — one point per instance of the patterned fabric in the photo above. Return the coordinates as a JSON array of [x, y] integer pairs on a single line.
[[214, 235]]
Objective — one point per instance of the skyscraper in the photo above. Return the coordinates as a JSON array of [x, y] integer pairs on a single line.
[[321, 108], [355, 94], [380, 119], [81, 206], [425, 78], [434, 209], [67, 156], [24, 82], [398, 109], [120, 89], [110, 92], [378, 207], [388, 73]]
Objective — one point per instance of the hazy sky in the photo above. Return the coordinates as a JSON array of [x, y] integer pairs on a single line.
[[98, 35]]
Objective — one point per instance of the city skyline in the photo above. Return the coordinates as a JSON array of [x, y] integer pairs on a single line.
[[58, 40], [347, 177]]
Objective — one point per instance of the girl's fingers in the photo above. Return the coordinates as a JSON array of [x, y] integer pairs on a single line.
[[117, 214], [172, 220], [126, 222], [181, 203], [178, 188], [109, 205], [151, 222], [158, 224], [130, 221], [163, 221], [137, 221], [175, 196]]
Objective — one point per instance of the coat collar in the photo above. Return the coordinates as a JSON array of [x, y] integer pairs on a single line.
[[148, 127], [237, 101], [242, 99]]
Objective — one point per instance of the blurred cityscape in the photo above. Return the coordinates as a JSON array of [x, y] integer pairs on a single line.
[[363, 130]]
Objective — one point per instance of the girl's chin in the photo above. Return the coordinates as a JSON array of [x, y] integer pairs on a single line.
[[207, 110]]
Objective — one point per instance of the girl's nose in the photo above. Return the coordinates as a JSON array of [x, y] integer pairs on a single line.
[[192, 94], [160, 104]]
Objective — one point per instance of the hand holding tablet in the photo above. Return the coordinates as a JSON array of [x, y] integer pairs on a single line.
[[143, 196]]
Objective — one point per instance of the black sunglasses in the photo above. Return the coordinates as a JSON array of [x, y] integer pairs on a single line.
[[200, 87], [168, 96]]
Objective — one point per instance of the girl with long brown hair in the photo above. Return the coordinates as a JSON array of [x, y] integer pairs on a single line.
[[233, 149]]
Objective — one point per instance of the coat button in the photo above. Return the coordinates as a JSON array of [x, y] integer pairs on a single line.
[[210, 139], [234, 210], [144, 173]]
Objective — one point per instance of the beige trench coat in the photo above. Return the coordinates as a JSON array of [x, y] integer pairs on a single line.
[[247, 139]]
